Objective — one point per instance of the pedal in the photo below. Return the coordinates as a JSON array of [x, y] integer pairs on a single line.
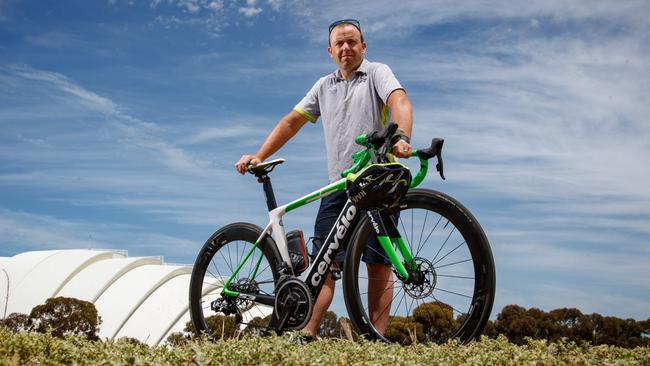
[[336, 274], [335, 271]]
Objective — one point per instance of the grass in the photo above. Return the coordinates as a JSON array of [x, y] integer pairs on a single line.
[[44, 349]]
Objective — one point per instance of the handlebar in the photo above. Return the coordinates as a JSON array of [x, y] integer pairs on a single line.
[[376, 140], [424, 155]]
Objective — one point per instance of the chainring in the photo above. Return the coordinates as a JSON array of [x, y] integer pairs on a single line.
[[294, 296]]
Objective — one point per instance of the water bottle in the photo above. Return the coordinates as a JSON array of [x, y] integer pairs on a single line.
[[297, 251]]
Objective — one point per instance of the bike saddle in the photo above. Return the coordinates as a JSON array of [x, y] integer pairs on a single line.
[[265, 167]]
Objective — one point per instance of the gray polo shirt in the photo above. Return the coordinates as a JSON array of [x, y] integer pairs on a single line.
[[349, 108]]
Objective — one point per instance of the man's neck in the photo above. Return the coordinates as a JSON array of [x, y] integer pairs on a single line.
[[345, 74]]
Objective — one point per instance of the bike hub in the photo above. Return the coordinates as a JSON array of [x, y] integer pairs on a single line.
[[422, 280]]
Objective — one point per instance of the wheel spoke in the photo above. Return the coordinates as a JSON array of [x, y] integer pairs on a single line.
[[424, 224], [251, 262], [451, 276], [453, 309], [226, 262], [417, 252], [452, 292], [445, 242], [408, 240], [448, 253], [454, 263]]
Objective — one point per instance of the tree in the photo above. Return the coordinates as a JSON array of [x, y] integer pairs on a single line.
[[514, 323], [257, 326], [223, 327], [16, 322], [645, 325], [329, 326], [63, 315], [572, 324], [437, 319], [404, 330], [490, 330]]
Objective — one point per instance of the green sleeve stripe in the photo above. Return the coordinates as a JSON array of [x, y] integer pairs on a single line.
[[305, 114], [384, 115]]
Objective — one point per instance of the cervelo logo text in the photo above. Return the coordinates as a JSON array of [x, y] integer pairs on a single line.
[[374, 224], [341, 228], [358, 196]]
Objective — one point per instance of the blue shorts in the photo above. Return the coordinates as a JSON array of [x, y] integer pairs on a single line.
[[330, 208]]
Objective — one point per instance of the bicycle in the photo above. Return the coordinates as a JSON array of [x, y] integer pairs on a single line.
[[445, 278]]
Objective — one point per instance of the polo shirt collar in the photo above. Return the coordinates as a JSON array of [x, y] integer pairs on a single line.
[[363, 68]]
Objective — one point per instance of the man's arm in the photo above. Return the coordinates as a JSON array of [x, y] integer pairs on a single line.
[[402, 113], [286, 128]]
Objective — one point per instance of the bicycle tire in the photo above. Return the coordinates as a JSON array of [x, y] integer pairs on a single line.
[[460, 247], [216, 262]]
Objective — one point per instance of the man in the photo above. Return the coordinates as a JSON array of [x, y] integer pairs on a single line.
[[355, 99]]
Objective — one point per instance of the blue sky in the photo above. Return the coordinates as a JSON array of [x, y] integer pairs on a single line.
[[121, 121]]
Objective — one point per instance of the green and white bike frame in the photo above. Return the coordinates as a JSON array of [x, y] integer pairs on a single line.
[[337, 239]]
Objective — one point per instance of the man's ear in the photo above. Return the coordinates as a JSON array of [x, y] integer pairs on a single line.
[[329, 51]]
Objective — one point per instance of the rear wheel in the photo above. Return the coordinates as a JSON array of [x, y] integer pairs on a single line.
[[216, 262], [451, 293]]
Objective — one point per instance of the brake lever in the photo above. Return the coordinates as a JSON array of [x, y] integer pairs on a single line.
[[434, 150], [440, 165]]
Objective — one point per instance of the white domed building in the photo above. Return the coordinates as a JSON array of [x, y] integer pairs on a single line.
[[139, 297]]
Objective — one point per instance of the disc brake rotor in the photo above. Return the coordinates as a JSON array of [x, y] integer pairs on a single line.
[[423, 279]]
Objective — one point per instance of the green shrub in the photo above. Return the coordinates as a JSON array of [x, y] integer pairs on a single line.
[[16, 322], [62, 316]]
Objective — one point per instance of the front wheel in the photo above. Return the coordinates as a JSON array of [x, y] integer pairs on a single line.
[[219, 258], [451, 293]]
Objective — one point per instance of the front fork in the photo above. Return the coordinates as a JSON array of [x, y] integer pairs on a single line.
[[389, 238]]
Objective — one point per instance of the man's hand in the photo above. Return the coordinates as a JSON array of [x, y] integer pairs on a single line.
[[402, 149], [245, 161]]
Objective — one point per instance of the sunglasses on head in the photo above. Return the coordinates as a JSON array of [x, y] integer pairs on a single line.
[[354, 22]]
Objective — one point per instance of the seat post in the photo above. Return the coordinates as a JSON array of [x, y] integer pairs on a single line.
[[268, 191]]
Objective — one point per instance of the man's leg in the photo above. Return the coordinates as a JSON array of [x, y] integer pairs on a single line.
[[320, 306], [380, 294], [329, 210]]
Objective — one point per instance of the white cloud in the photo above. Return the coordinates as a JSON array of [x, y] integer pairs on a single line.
[[219, 133], [192, 6], [42, 232], [80, 149], [250, 11], [215, 5], [377, 17], [122, 127], [62, 83], [275, 4]]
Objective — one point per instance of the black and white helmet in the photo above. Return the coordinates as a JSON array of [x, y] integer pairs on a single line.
[[379, 185]]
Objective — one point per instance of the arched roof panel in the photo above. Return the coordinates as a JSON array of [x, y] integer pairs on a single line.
[[212, 289], [49, 275], [21, 264], [93, 280], [4, 291], [126, 294], [153, 318]]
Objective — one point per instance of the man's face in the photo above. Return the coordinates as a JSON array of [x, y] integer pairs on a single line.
[[346, 48]]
